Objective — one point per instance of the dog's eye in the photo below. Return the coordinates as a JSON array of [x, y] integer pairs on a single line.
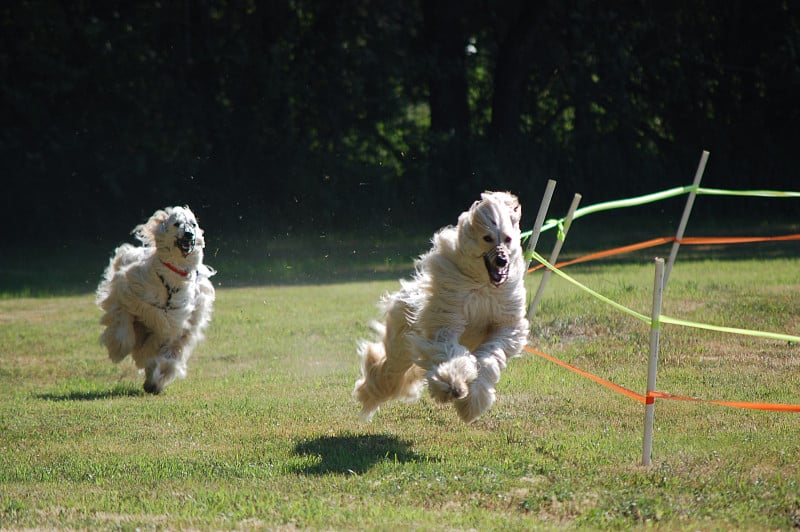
[[176, 224], [487, 238], [507, 240]]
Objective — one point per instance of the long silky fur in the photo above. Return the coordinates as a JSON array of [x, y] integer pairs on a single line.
[[152, 312], [449, 327]]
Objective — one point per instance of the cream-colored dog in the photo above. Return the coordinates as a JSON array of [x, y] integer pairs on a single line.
[[457, 321], [157, 297]]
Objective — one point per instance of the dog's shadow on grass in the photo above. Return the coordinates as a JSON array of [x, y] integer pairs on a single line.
[[351, 453], [119, 390]]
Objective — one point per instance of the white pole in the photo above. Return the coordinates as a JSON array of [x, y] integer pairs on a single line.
[[687, 210], [554, 255], [537, 225], [652, 365]]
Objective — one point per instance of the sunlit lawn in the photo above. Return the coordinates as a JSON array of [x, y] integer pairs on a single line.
[[264, 433]]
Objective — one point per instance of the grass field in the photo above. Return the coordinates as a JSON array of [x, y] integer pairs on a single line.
[[264, 433]]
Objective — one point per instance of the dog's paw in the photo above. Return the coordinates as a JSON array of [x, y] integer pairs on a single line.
[[151, 387], [480, 399], [161, 371], [450, 380], [444, 391], [482, 393], [365, 416], [369, 404]]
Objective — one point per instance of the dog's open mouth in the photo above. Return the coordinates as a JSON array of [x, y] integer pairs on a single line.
[[186, 243], [496, 262]]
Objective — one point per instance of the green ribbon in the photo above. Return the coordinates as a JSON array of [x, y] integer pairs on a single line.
[[733, 330], [658, 196], [615, 204], [663, 319], [753, 193], [596, 295]]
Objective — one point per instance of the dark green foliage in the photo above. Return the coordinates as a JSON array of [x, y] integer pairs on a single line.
[[309, 114]]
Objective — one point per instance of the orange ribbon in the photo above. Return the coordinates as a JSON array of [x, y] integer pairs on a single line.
[[608, 384], [689, 241], [697, 240], [774, 407], [651, 397]]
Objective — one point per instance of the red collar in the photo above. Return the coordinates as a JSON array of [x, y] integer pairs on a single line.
[[182, 273]]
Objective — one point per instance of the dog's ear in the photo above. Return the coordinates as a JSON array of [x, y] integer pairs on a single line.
[[509, 200], [466, 218], [146, 232], [513, 205], [471, 225]]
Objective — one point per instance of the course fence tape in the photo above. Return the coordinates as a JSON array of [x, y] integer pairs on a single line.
[[610, 252], [608, 384], [652, 396], [663, 319], [688, 240], [703, 240], [659, 196], [751, 193], [775, 407]]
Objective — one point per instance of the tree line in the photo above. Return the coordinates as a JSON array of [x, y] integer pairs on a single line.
[[311, 113]]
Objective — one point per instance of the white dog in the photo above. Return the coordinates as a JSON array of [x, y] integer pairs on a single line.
[[456, 322], [157, 297]]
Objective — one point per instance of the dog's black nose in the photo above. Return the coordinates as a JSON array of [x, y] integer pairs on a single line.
[[501, 260]]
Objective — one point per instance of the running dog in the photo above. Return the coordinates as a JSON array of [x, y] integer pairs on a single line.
[[453, 326], [157, 297]]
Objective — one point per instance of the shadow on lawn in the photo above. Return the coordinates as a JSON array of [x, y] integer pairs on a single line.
[[353, 454], [119, 390]]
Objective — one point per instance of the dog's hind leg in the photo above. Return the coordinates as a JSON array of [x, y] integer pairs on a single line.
[[383, 379]]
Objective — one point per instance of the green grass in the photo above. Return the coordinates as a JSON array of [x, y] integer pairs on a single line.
[[264, 433]]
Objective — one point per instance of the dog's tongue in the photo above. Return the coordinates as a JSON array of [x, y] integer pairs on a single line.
[[496, 275], [186, 245]]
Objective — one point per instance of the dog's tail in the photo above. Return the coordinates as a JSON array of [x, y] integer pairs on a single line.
[[383, 379]]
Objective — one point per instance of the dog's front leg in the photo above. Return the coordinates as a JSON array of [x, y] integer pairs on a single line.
[[154, 318], [164, 368], [451, 366], [491, 361], [119, 336], [502, 344]]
